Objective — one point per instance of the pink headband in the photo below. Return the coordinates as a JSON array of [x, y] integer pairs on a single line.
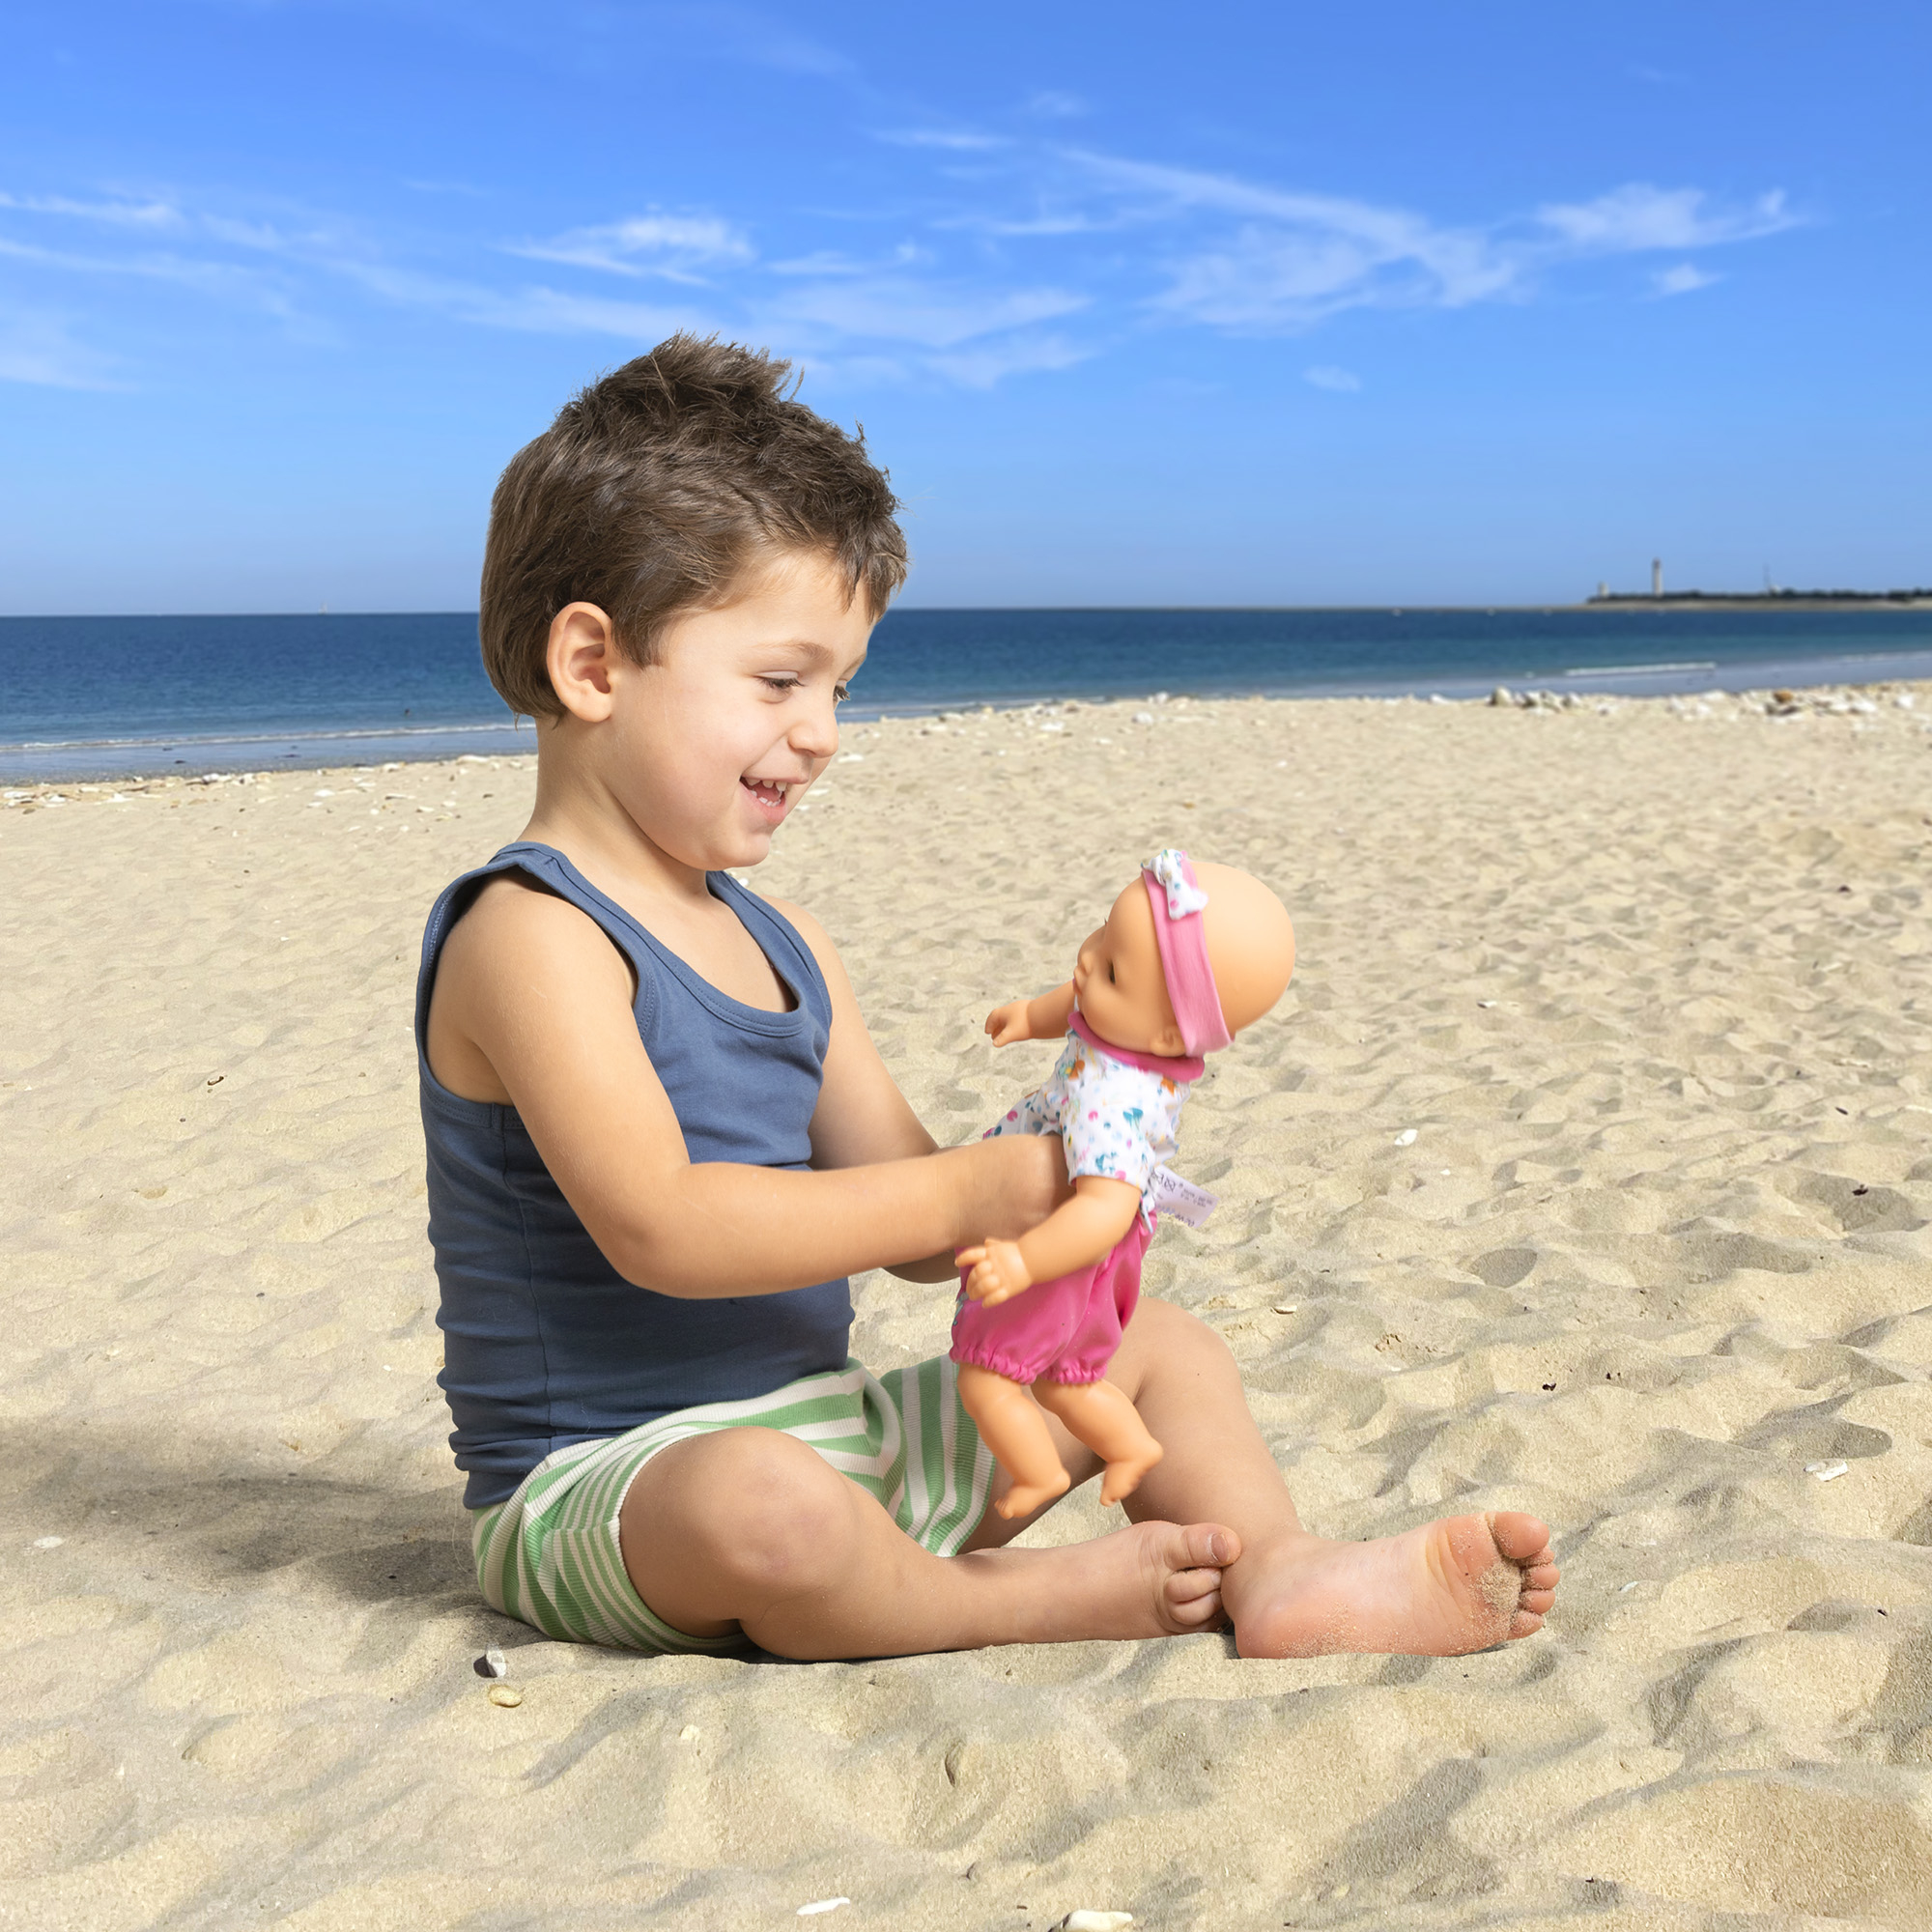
[[1175, 893]]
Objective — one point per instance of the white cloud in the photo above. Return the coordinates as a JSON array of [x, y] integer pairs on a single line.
[[822, 261], [788, 52], [149, 214], [36, 349], [988, 255], [1254, 259], [546, 311], [246, 287], [1638, 216], [1054, 103], [982, 367], [928, 314], [1294, 259], [1682, 279], [1019, 228], [953, 141], [674, 247], [1266, 278], [536, 310]]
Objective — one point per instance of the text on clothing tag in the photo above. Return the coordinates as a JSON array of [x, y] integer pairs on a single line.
[[1182, 1198]]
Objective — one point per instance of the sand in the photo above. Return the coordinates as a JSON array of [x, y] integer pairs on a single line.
[[1586, 1168]]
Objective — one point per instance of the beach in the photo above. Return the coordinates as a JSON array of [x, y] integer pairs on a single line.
[[1585, 1169]]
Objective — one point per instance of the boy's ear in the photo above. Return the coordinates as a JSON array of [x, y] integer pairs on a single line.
[[582, 647]]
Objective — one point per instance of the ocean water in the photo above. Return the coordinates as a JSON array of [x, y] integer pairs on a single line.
[[105, 696]]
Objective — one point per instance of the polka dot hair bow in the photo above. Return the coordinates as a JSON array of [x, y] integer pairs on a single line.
[[1184, 894]]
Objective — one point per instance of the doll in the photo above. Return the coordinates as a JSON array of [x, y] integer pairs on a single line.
[[1182, 963]]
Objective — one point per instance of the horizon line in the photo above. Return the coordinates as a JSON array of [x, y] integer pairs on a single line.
[[1618, 600]]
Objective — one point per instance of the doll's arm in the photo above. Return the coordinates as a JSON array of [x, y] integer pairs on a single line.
[[1074, 1236], [1043, 1018]]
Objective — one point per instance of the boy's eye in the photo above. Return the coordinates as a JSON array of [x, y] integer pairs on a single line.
[[781, 684], [840, 693]]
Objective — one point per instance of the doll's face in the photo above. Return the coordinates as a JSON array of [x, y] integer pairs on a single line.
[[1119, 981]]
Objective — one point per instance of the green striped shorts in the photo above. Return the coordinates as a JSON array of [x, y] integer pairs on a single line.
[[551, 1555]]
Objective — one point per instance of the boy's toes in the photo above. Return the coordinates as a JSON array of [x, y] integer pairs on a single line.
[[1188, 1586], [1523, 1537], [1525, 1623], [1179, 1547], [1187, 1561], [1540, 1576], [1209, 1546], [1197, 1612]]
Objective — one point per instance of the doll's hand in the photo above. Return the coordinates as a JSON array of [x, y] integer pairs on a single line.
[[999, 1273], [1008, 1023]]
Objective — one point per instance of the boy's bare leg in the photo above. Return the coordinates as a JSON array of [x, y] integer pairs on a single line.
[[1013, 1427], [1101, 1415], [1457, 1584], [747, 1527]]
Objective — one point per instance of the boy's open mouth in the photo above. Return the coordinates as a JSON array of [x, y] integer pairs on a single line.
[[771, 793]]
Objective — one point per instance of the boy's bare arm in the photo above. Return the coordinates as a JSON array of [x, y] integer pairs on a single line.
[[863, 1118], [1074, 1236], [531, 990]]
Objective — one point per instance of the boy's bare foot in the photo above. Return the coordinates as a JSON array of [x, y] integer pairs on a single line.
[[1456, 1586]]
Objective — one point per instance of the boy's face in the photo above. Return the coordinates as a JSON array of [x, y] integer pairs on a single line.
[[718, 740], [1119, 981]]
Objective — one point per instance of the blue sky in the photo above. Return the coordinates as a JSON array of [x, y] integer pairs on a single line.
[[1269, 303]]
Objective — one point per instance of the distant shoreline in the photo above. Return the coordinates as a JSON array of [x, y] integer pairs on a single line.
[[1764, 600], [1680, 600]]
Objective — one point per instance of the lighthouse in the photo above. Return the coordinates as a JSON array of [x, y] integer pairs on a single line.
[[1656, 576]]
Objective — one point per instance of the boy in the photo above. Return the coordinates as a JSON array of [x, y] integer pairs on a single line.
[[660, 1136]]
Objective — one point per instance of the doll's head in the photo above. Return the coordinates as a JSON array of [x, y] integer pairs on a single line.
[[1188, 958]]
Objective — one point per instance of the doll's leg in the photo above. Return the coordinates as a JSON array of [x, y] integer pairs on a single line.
[[1012, 1425], [1099, 1416]]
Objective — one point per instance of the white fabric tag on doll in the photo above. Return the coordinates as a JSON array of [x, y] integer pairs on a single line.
[[1182, 1198]]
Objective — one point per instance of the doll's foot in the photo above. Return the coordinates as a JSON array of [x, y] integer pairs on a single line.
[[1101, 1416], [1023, 1499], [1459, 1584], [1122, 1477]]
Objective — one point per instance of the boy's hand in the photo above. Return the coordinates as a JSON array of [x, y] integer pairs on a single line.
[[1008, 1023], [999, 1273]]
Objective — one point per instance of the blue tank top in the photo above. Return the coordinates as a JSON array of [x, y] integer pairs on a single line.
[[545, 1343]]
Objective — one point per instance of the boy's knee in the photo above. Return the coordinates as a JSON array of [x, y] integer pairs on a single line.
[[1164, 1326], [768, 1510], [1164, 1336]]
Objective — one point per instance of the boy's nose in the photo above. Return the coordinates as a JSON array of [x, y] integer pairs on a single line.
[[815, 733]]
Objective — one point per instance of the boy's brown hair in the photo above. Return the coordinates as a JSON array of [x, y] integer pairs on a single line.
[[654, 492]]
